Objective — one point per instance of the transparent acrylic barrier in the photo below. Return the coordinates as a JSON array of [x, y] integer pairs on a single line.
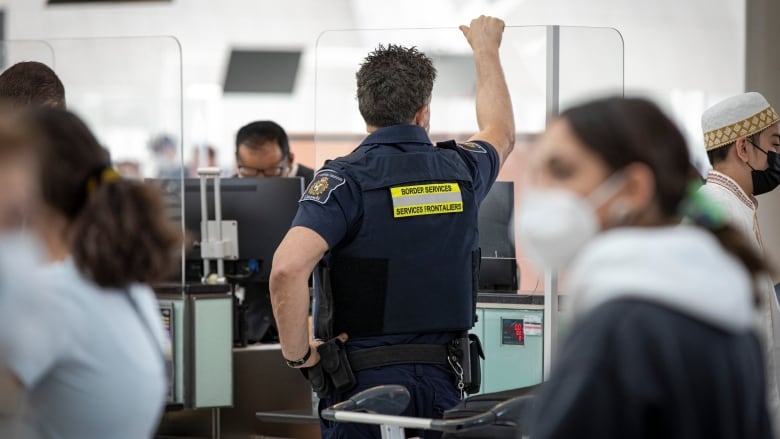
[[127, 90], [12, 52], [591, 64], [576, 64], [340, 53]]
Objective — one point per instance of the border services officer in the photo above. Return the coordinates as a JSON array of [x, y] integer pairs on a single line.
[[392, 229]]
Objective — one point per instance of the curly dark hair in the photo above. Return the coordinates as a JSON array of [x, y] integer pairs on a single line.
[[393, 83]]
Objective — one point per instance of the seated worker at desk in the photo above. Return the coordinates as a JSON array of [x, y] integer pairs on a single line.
[[263, 150]]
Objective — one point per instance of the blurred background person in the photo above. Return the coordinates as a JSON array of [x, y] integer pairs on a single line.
[[129, 169], [663, 340], [166, 156], [263, 150], [196, 162], [32, 83], [86, 347]]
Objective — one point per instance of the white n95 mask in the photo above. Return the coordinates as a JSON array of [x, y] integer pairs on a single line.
[[554, 224]]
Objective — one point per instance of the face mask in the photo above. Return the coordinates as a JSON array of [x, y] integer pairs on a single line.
[[554, 224], [768, 179]]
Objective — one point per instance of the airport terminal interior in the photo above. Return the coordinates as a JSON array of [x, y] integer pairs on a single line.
[[177, 94]]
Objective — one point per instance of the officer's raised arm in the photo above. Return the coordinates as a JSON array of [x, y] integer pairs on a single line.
[[494, 106]]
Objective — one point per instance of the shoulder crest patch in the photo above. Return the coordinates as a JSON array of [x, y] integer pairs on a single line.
[[472, 147], [322, 185]]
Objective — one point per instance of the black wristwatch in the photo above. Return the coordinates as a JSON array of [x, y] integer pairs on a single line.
[[301, 362]]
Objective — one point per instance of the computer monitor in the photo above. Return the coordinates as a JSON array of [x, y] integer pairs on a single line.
[[264, 209], [498, 270]]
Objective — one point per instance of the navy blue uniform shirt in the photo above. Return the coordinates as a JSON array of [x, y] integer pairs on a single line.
[[336, 210]]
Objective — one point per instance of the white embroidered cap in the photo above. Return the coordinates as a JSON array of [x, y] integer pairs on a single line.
[[738, 116]]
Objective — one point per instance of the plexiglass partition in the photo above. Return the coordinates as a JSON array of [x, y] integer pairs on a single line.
[[127, 90], [12, 52], [129, 93], [547, 69], [339, 54]]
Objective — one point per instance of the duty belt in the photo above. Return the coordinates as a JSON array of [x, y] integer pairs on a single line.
[[334, 372], [394, 355]]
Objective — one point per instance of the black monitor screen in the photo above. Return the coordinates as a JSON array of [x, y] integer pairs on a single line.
[[496, 229], [496, 239], [263, 208]]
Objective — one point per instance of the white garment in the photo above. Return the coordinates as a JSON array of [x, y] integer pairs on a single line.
[[741, 209], [654, 264], [92, 365]]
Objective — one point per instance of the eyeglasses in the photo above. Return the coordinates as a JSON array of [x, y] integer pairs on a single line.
[[276, 171]]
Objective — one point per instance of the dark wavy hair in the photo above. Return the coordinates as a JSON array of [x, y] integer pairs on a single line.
[[120, 232], [393, 82]]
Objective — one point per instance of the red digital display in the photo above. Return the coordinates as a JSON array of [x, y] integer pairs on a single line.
[[513, 332]]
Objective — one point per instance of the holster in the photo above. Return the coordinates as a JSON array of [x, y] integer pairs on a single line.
[[467, 349], [333, 373], [323, 309]]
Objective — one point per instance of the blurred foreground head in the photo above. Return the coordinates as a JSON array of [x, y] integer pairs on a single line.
[[613, 163], [625, 154], [31, 83]]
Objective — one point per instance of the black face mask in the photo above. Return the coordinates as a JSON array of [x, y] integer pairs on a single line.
[[766, 180]]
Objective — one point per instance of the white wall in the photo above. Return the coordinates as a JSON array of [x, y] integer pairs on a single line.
[[684, 54]]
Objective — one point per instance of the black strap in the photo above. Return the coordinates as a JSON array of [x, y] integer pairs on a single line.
[[398, 354]]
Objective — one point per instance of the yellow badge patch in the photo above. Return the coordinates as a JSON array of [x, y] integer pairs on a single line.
[[426, 199]]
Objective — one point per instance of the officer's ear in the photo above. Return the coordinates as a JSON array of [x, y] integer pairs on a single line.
[[423, 116]]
